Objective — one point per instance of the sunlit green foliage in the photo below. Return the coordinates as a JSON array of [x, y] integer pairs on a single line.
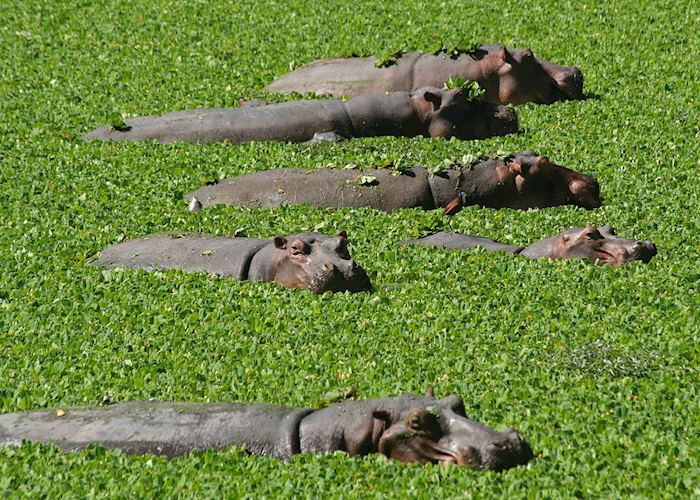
[[597, 366]]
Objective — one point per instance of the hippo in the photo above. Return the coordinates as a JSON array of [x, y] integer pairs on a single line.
[[314, 261], [523, 180], [406, 428], [507, 75], [428, 112], [599, 245]]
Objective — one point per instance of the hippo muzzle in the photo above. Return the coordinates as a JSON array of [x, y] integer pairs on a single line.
[[500, 120], [623, 250], [477, 445], [569, 82], [444, 435], [339, 275], [603, 246]]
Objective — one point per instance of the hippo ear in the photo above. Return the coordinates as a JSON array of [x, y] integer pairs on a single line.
[[343, 234], [454, 403], [434, 98], [430, 392], [541, 161], [517, 166], [502, 53], [280, 242], [527, 54]]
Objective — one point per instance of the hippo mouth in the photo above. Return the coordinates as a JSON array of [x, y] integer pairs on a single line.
[[410, 448], [429, 451], [641, 252], [602, 256], [496, 456]]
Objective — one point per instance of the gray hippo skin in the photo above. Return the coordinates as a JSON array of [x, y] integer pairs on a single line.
[[523, 180], [428, 112], [406, 428], [600, 245], [509, 76], [309, 260]]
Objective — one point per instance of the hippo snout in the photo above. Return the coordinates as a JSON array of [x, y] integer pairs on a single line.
[[509, 450], [501, 120], [570, 82], [340, 276], [644, 251]]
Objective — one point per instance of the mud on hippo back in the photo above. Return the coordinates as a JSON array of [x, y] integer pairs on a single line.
[[599, 245], [508, 75], [427, 112], [406, 428], [314, 261]]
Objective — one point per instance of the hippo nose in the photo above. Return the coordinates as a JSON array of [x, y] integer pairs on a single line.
[[572, 84], [514, 436], [503, 120], [645, 250]]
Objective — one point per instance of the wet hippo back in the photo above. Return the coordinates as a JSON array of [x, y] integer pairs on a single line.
[[188, 252], [456, 241], [162, 428], [348, 76], [295, 121], [323, 188]]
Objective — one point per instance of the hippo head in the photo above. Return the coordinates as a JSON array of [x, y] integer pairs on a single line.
[[438, 431], [449, 113], [318, 262], [526, 180], [516, 76], [597, 244]]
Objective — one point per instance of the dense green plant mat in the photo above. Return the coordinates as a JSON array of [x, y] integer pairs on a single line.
[[597, 366]]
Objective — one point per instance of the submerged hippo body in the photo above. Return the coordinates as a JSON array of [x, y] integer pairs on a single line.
[[310, 260], [407, 428], [428, 112], [509, 76], [524, 180], [597, 244]]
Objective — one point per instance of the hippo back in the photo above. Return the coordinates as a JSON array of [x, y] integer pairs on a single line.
[[162, 428], [325, 188], [457, 241], [295, 121], [188, 252], [348, 76]]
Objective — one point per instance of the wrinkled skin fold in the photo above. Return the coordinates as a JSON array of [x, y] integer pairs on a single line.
[[427, 112], [508, 75], [314, 261], [523, 180], [599, 245], [406, 428]]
